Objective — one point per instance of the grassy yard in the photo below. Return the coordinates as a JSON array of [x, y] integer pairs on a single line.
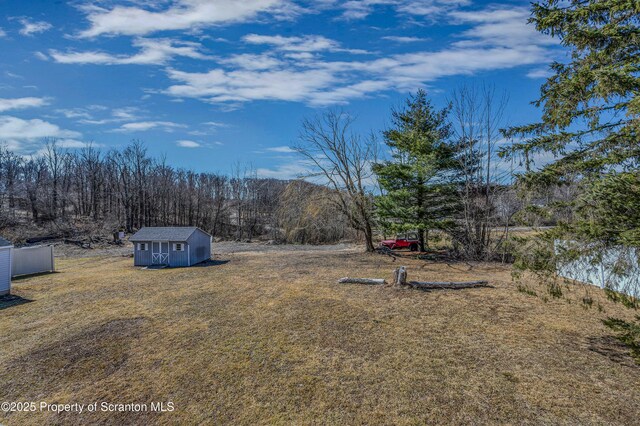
[[270, 338]]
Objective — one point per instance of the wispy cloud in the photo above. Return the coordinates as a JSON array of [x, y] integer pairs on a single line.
[[360, 9], [539, 73], [7, 104], [151, 52], [402, 39], [179, 15], [100, 114], [142, 126], [281, 149], [308, 43], [30, 27], [319, 82], [498, 26], [188, 144], [292, 170]]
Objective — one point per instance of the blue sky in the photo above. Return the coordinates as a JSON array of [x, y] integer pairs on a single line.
[[210, 83]]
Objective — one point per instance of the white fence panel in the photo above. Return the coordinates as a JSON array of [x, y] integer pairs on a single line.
[[32, 260], [602, 273]]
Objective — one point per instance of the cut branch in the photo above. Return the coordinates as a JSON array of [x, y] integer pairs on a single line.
[[433, 285], [371, 281]]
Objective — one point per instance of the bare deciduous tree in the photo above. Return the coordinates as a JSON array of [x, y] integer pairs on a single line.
[[478, 115], [342, 159]]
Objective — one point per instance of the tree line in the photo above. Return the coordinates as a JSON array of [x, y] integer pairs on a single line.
[[69, 192]]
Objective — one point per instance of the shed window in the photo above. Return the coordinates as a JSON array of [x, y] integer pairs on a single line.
[[178, 247], [143, 246]]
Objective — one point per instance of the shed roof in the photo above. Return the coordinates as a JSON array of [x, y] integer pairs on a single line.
[[165, 233], [5, 243]]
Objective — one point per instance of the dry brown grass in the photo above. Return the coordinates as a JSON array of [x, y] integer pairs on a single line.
[[272, 339]]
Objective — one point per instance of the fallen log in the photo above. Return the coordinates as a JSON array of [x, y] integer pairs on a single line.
[[40, 239], [386, 251], [372, 281], [433, 285]]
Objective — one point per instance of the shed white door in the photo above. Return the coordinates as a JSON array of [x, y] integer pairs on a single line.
[[159, 253]]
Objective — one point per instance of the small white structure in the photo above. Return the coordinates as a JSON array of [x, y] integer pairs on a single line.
[[601, 272], [5, 266]]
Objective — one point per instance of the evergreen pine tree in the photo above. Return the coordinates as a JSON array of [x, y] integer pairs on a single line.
[[591, 123], [420, 191]]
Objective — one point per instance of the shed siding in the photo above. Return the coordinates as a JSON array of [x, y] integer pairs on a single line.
[[142, 258], [5, 270], [199, 246], [178, 258]]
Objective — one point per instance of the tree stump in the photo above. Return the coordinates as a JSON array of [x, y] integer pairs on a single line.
[[400, 276]]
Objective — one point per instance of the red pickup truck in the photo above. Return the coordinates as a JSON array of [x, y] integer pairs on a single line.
[[403, 241]]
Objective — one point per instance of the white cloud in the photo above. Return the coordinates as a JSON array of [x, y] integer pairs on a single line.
[[324, 83], [430, 8], [401, 39], [499, 27], [17, 128], [360, 9], [188, 144], [292, 170], [7, 104], [215, 124], [180, 15], [74, 143], [151, 51], [141, 126], [319, 82], [252, 62], [2, 33], [220, 86], [29, 27], [87, 115], [125, 113], [281, 149], [74, 113], [23, 135], [307, 43], [539, 73]]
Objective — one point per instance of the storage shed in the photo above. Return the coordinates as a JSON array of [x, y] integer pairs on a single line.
[[171, 246], [5, 266]]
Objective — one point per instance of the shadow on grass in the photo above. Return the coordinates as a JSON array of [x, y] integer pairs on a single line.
[[39, 274], [210, 262], [205, 264], [11, 300], [613, 349]]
